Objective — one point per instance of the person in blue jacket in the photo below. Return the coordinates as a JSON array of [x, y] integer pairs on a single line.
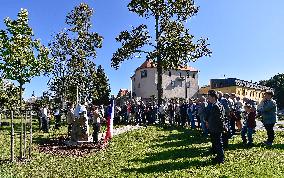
[[268, 111]]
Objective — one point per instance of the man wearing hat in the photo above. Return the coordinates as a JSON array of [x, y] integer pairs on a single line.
[[215, 122], [269, 117]]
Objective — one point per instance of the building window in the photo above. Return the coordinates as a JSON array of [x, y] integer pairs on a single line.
[[138, 85], [193, 76], [144, 74], [170, 73]]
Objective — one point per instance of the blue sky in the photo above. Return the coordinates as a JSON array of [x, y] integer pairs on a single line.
[[246, 37]]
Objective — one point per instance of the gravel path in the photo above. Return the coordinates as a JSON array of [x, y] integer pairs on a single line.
[[278, 126], [126, 128]]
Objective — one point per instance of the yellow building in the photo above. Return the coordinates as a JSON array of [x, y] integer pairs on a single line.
[[241, 88]]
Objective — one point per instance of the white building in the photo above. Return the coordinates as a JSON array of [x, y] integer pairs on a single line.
[[182, 83]]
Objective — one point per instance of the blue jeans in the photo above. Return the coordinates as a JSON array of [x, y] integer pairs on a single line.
[[203, 125], [249, 132], [228, 126], [191, 120]]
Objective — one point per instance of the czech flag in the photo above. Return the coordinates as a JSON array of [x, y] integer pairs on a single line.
[[110, 116]]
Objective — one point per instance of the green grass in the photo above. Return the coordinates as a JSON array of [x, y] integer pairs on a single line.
[[154, 152]]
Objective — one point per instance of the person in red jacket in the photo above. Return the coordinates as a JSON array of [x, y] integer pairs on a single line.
[[248, 125]]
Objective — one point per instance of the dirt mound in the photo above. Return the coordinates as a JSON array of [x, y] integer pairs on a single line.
[[60, 146]]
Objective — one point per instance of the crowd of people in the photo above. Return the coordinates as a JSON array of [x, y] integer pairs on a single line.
[[216, 114]]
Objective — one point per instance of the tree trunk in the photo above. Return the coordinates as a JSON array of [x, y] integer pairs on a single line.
[[12, 137], [77, 95], [25, 135], [31, 136], [21, 136], [159, 64]]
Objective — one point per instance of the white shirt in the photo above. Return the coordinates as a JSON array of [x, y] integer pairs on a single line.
[[44, 112]]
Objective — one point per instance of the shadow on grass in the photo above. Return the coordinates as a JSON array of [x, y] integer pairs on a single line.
[[5, 161], [179, 148], [183, 138], [175, 154], [167, 167], [17, 126]]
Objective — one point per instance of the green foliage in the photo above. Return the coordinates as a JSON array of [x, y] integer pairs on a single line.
[[101, 88], [277, 83], [21, 56], [9, 95], [131, 43], [173, 44], [42, 101], [73, 50], [154, 152]]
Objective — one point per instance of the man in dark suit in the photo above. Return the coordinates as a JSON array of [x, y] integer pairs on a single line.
[[215, 124]]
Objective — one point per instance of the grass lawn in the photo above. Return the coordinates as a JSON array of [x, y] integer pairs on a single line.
[[154, 152]]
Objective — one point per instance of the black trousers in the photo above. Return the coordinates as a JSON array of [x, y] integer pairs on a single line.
[[270, 132], [57, 121], [96, 128], [40, 123], [217, 145], [183, 119], [225, 139], [45, 124]]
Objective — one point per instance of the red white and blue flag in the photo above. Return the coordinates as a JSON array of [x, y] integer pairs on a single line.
[[110, 116]]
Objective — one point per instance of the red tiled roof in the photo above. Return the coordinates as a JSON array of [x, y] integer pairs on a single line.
[[149, 64]]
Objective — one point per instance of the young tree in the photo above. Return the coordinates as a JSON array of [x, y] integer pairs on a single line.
[[73, 50], [101, 87], [173, 47], [21, 56]]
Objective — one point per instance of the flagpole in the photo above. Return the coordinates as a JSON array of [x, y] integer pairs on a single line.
[[112, 116]]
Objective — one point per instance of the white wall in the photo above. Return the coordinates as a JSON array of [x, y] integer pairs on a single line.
[[148, 85]]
